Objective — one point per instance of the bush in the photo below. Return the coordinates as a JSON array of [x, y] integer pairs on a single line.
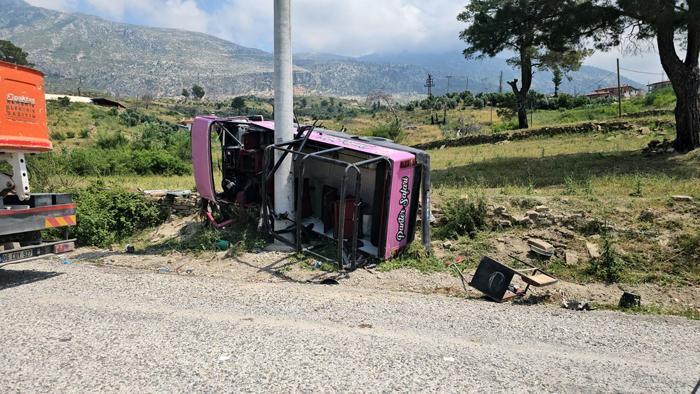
[[58, 136], [110, 215], [111, 140], [391, 130], [107, 162], [158, 162], [463, 217]]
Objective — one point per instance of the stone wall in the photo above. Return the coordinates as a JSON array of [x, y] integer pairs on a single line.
[[517, 135], [178, 204]]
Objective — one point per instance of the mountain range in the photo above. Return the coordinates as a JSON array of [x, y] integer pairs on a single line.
[[75, 49]]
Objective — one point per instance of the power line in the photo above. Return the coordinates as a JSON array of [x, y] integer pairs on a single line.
[[640, 72]]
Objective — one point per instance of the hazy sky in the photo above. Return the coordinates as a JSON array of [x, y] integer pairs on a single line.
[[356, 27]]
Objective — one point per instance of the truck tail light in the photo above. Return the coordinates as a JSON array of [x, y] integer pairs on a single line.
[[63, 248]]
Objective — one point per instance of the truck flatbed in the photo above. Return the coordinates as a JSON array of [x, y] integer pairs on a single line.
[[40, 212]]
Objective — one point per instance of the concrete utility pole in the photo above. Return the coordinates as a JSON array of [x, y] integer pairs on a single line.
[[284, 107], [500, 83]]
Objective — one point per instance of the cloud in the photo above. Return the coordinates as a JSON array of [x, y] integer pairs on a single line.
[[352, 28], [61, 5], [349, 28]]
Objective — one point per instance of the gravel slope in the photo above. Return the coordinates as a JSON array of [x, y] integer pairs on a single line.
[[81, 328]]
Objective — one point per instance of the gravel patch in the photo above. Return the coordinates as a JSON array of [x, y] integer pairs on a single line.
[[77, 328]]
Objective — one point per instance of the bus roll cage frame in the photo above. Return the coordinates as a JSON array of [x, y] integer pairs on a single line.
[[299, 166]]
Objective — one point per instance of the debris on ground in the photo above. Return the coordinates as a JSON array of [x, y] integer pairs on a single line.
[[682, 198], [570, 258], [540, 247], [593, 250], [223, 245], [576, 305], [630, 300]]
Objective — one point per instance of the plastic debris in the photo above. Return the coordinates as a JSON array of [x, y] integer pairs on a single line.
[[576, 305], [164, 270], [223, 244], [630, 300]]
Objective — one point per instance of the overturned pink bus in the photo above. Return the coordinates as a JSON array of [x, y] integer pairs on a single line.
[[357, 199]]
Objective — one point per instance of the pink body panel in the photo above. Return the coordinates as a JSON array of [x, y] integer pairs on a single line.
[[201, 157]]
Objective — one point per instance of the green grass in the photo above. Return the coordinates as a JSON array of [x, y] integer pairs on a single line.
[[607, 165], [690, 313]]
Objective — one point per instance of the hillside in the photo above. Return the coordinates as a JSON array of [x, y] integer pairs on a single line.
[[127, 60]]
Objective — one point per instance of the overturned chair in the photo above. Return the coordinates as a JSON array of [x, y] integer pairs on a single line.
[[494, 279]]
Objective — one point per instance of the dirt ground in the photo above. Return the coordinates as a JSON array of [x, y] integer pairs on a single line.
[[271, 267]]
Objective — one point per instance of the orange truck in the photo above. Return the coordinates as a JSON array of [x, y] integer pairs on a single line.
[[24, 131]]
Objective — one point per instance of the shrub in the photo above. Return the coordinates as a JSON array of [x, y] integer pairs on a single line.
[[463, 217], [158, 162], [85, 133], [70, 134], [609, 265], [391, 130], [63, 102], [111, 140], [109, 215], [58, 136], [242, 236]]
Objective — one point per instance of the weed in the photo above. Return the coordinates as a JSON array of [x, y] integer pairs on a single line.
[[637, 187], [530, 185], [463, 217], [58, 136], [200, 237], [415, 257], [569, 186], [588, 188], [610, 265], [690, 313]]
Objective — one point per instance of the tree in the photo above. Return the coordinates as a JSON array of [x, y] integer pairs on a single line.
[[238, 103], [672, 24], [562, 63], [557, 78], [198, 92], [185, 93], [530, 29], [147, 99], [13, 54]]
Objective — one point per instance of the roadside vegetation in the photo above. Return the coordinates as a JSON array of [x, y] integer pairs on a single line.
[[624, 193]]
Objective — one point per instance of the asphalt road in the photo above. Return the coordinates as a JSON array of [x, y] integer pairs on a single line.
[[80, 328]]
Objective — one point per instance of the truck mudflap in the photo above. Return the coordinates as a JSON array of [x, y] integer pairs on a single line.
[[33, 252], [14, 221]]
